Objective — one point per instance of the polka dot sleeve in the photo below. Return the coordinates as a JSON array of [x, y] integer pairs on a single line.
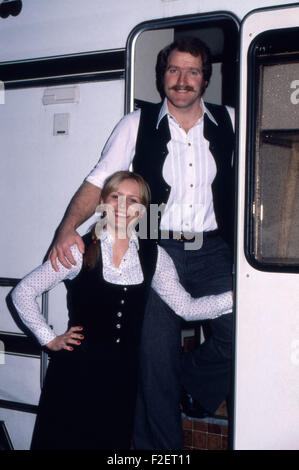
[[166, 283], [42, 279]]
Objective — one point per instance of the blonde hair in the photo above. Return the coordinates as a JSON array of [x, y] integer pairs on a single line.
[[112, 184]]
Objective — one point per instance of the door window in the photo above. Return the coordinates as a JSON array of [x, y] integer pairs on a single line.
[[218, 31], [273, 144]]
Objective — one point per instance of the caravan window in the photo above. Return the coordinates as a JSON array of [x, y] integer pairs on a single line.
[[273, 149]]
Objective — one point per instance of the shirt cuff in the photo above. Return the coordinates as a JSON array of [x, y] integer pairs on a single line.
[[45, 335]]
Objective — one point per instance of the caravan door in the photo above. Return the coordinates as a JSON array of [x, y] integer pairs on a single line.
[[267, 261]]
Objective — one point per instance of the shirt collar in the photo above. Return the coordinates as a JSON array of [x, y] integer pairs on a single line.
[[164, 111], [106, 237]]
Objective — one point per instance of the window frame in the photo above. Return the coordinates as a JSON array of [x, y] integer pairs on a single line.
[[276, 42], [65, 69], [204, 19]]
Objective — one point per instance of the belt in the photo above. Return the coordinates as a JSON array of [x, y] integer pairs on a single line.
[[187, 236]]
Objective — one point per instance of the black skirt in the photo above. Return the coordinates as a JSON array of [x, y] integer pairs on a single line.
[[88, 399]]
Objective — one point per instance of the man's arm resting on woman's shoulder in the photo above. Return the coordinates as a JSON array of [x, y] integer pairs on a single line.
[[81, 207]]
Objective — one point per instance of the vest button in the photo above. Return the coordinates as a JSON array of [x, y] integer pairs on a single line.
[[118, 325], [118, 340], [119, 314]]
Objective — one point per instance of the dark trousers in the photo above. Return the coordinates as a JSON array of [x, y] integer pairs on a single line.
[[206, 371]]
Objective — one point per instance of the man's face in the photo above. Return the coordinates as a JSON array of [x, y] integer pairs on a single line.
[[183, 80]]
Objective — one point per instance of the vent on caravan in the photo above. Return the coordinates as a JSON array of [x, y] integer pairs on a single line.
[[61, 95]]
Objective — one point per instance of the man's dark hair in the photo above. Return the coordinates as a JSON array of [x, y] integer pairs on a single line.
[[193, 46]]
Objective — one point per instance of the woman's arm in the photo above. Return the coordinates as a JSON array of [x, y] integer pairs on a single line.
[[167, 284], [42, 279]]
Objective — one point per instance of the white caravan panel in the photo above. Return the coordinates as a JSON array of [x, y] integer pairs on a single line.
[[267, 294], [20, 379], [19, 426]]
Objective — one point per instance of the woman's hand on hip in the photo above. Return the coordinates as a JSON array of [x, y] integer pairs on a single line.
[[67, 340]]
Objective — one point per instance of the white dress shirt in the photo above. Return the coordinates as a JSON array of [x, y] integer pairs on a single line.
[[189, 169], [165, 282]]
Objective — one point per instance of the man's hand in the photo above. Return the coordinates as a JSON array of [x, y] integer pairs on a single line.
[[81, 207], [64, 341], [61, 248]]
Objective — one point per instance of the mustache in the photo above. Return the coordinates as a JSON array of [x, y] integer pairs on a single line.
[[182, 88]]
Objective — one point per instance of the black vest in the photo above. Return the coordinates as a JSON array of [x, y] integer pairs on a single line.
[[110, 314], [151, 151]]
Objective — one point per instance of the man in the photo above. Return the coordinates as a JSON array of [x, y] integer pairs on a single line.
[[183, 148]]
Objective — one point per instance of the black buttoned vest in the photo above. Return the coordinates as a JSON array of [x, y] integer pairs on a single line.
[[151, 151], [111, 314]]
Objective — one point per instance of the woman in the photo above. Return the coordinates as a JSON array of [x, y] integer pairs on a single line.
[[89, 393]]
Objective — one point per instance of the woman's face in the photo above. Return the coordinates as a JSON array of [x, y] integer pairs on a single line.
[[121, 205]]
